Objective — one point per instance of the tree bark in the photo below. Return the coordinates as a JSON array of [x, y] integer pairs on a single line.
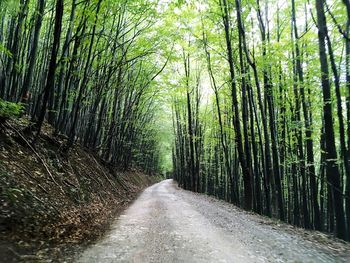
[[333, 175]]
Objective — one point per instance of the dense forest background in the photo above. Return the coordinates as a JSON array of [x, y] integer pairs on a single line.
[[87, 66], [250, 98]]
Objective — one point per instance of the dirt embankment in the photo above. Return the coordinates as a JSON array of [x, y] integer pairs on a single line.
[[48, 197]]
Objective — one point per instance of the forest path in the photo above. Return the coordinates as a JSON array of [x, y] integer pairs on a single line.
[[168, 224]]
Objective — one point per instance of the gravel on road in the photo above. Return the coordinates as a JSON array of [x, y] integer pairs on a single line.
[[168, 224]]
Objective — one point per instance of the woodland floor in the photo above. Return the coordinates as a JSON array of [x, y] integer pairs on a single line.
[[168, 224], [53, 202]]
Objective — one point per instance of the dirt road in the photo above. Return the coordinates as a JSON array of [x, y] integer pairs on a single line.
[[167, 224]]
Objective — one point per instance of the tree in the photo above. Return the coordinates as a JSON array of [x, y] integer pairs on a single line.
[[333, 175], [50, 81]]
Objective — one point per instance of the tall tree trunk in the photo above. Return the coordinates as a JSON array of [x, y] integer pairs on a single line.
[[268, 88], [333, 175], [15, 50], [347, 65], [76, 109], [248, 193], [50, 81], [218, 108], [33, 53], [310, 172]]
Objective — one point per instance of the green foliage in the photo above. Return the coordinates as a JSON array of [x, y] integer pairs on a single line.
[[10, 109], [5, 51], [9, 6]]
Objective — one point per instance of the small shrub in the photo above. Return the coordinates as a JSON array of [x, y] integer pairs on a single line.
[[9, 110]]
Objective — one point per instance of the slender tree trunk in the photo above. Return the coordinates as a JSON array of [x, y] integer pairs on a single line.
[[236, 120], [76, 109], [332, 168], [347, 65], [33, 53], [50, 81]]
